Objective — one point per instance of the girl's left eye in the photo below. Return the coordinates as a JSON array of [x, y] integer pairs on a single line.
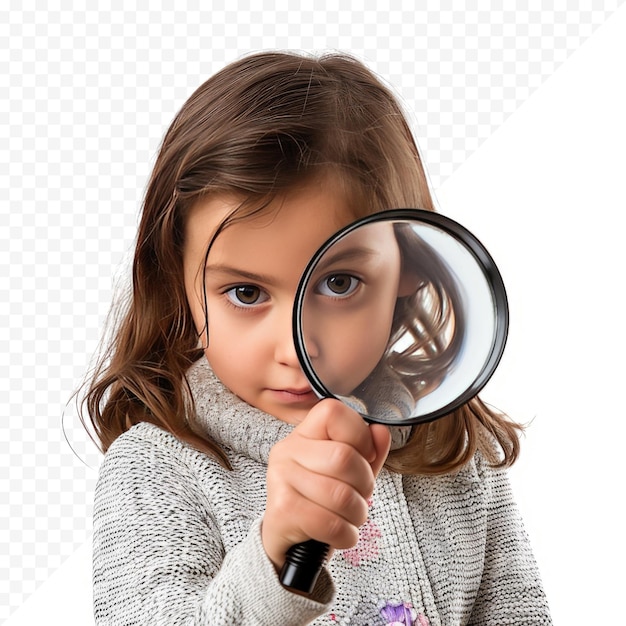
[[246, 296], [338, 285]]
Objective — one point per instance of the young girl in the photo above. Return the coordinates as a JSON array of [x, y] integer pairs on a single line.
[[219, 457]]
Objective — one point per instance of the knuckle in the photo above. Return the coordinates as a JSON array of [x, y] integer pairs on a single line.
[[340, 533], [336, 531], [281, 505], [341, 458], [342, 496]]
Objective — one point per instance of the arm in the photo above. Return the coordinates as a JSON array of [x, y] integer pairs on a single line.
[[510, 592], [158, 554]]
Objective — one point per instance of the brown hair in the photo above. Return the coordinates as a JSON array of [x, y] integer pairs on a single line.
[[261, 126]]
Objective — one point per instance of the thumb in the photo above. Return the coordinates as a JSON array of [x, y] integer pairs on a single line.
[[381, 437]]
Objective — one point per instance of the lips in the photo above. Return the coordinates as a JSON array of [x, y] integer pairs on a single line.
[[301, 388], [296, 392], [294, 395]]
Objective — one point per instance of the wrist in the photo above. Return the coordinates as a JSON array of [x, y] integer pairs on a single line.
[[275, 550]]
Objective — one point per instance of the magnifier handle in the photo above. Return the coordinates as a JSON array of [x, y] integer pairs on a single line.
[[303, 564]]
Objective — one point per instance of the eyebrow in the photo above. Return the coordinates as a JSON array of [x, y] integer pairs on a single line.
[[351, 254], [239, 273]]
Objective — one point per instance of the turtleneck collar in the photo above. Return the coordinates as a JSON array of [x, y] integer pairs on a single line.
[[231, 422], [228, 420]]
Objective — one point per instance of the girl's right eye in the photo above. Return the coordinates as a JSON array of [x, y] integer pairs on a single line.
[[246, 296]]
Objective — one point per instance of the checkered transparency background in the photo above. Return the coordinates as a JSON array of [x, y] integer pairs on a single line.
[[86, 95]]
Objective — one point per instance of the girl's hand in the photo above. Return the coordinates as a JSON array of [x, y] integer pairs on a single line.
[[319, 479]]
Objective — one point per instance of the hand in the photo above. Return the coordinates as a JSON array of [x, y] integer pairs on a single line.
[[319, 479]]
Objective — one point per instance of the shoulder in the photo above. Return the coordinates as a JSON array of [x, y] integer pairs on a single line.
[[146, 462], [142, 436], [148, 447], [489, 485], [477, 483]]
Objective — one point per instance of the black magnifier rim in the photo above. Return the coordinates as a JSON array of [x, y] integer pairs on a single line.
[[484, 261]]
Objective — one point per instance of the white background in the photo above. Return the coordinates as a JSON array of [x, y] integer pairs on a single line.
[[519, 112]]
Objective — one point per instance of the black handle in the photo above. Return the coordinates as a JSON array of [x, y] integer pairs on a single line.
[[303, 564]]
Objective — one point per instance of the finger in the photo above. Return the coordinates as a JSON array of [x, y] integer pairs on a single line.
[[331, 493], [381, 438], [291, 518], [333, 459], [322, 524], [331, 419]]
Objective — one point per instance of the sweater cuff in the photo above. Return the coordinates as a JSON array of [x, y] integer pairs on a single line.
[[261, 597]]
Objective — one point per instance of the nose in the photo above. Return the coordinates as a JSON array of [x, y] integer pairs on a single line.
[[284, 347], [310, 330]]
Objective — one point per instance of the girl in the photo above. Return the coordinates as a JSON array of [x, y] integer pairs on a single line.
[[219, 457]]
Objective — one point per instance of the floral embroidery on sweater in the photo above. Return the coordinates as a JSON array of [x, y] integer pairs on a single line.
[[402, 614], [396, 614], [366, 548]]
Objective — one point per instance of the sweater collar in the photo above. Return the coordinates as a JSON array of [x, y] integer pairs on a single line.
[[244, 429], [228, 420]]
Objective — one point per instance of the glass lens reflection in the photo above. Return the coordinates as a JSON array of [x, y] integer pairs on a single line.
[[398, 319]]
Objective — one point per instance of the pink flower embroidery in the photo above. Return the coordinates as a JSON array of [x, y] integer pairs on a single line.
[[366, 548]]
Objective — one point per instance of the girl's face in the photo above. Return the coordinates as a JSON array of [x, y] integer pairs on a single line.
[[251, 277]]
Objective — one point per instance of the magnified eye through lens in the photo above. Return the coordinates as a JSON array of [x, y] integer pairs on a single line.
[[338, 285], [408, 321]]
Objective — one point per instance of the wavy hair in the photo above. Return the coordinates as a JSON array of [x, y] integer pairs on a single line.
[[261, 126]]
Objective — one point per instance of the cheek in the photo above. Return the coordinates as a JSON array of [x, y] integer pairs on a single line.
[[232, 366], [235, 349], [348, 352], [226, 340], [363, 342]]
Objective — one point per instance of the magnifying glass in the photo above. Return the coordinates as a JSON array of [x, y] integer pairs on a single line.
[[403, 316]]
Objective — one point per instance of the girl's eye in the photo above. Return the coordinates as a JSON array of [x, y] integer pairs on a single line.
[[246, 295], [338, 285]]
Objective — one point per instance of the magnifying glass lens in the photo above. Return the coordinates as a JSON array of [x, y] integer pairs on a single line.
[[402, 315]]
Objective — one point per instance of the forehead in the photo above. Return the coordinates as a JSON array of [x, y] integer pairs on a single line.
[[289, 229]]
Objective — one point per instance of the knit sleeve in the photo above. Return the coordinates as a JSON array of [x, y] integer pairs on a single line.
[[158, 555], [510, 592]]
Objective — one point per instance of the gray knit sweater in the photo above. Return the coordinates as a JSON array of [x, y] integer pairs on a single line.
[[177, 537]]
